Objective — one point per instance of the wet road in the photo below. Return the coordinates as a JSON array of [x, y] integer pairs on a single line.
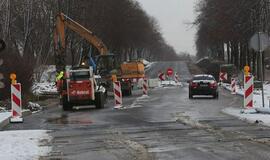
[[164, 126]]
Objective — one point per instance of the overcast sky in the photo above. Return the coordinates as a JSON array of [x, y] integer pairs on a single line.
[[173, 16]]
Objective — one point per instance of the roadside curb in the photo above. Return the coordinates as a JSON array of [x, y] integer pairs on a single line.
[[237, 93], [247, 120], [5, 122]]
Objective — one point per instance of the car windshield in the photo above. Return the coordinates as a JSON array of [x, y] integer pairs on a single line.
[[203, 78]]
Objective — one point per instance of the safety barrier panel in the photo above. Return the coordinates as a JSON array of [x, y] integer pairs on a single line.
[[248, 89], [117, 94], [16, 103], [233, 86], [145, 86]]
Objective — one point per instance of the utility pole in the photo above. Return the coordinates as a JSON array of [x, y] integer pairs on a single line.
[[261, 64]]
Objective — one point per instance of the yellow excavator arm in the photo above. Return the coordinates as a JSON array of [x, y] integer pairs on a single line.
[[63, 22]]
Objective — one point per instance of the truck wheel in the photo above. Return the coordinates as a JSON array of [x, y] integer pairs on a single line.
[[100, 100], [66, 106]]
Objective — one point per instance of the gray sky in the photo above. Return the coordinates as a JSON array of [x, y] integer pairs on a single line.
[[172, 16]]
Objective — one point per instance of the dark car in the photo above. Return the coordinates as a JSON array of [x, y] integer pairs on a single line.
[[203, 84]]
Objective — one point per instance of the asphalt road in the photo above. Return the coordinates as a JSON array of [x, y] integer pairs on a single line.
[[164, 126]]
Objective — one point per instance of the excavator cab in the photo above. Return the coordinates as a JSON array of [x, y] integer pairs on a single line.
[[106, 65]]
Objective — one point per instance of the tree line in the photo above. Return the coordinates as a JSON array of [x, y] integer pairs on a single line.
[[226, 27], [27, 28]]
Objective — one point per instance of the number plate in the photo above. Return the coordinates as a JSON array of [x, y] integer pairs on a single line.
[[204, 85]]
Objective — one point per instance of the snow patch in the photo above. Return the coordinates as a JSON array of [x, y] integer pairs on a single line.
[[45, 88], [258, 113], [138, 102], [24, 144], [251, 117], [257, 97], [170, 84], [34, 107], [4, 116]]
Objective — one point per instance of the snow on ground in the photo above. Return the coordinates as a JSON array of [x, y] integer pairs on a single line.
[[138, 102], [24, 144], [45, 88], [4, 116], [251, 115], [257, 94], [48, 73], [45, 85], [170, 83]]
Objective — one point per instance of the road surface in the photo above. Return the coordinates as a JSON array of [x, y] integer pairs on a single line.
[[164, 126]]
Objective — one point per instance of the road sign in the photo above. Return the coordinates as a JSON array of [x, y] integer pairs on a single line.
[[259, 41], [223, 76], [169, 71], [176, 77], [161, 76]]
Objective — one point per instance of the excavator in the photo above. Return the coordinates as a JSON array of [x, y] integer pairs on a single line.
[[80, 84]]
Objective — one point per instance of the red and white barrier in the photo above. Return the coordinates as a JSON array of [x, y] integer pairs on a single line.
[[233, 86], [117, 94], [248, 89], [161, 76], [176, 78], [223, 76], [16, 103], [145, 86]]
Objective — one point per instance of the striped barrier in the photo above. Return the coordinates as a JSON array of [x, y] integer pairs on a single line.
[[176, 78], [248, 89], [16, 103], [233, 86], [117, 94], [223, 76], [145, 86]]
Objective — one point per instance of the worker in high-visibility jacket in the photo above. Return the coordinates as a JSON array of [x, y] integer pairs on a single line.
[[59, 80]]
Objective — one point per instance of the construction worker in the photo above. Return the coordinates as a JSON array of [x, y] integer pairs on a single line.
[[59, 80]]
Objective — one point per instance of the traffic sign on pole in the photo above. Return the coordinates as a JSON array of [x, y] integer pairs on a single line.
[[259, 41], [161, 76], [169, 71], [223, 76]]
